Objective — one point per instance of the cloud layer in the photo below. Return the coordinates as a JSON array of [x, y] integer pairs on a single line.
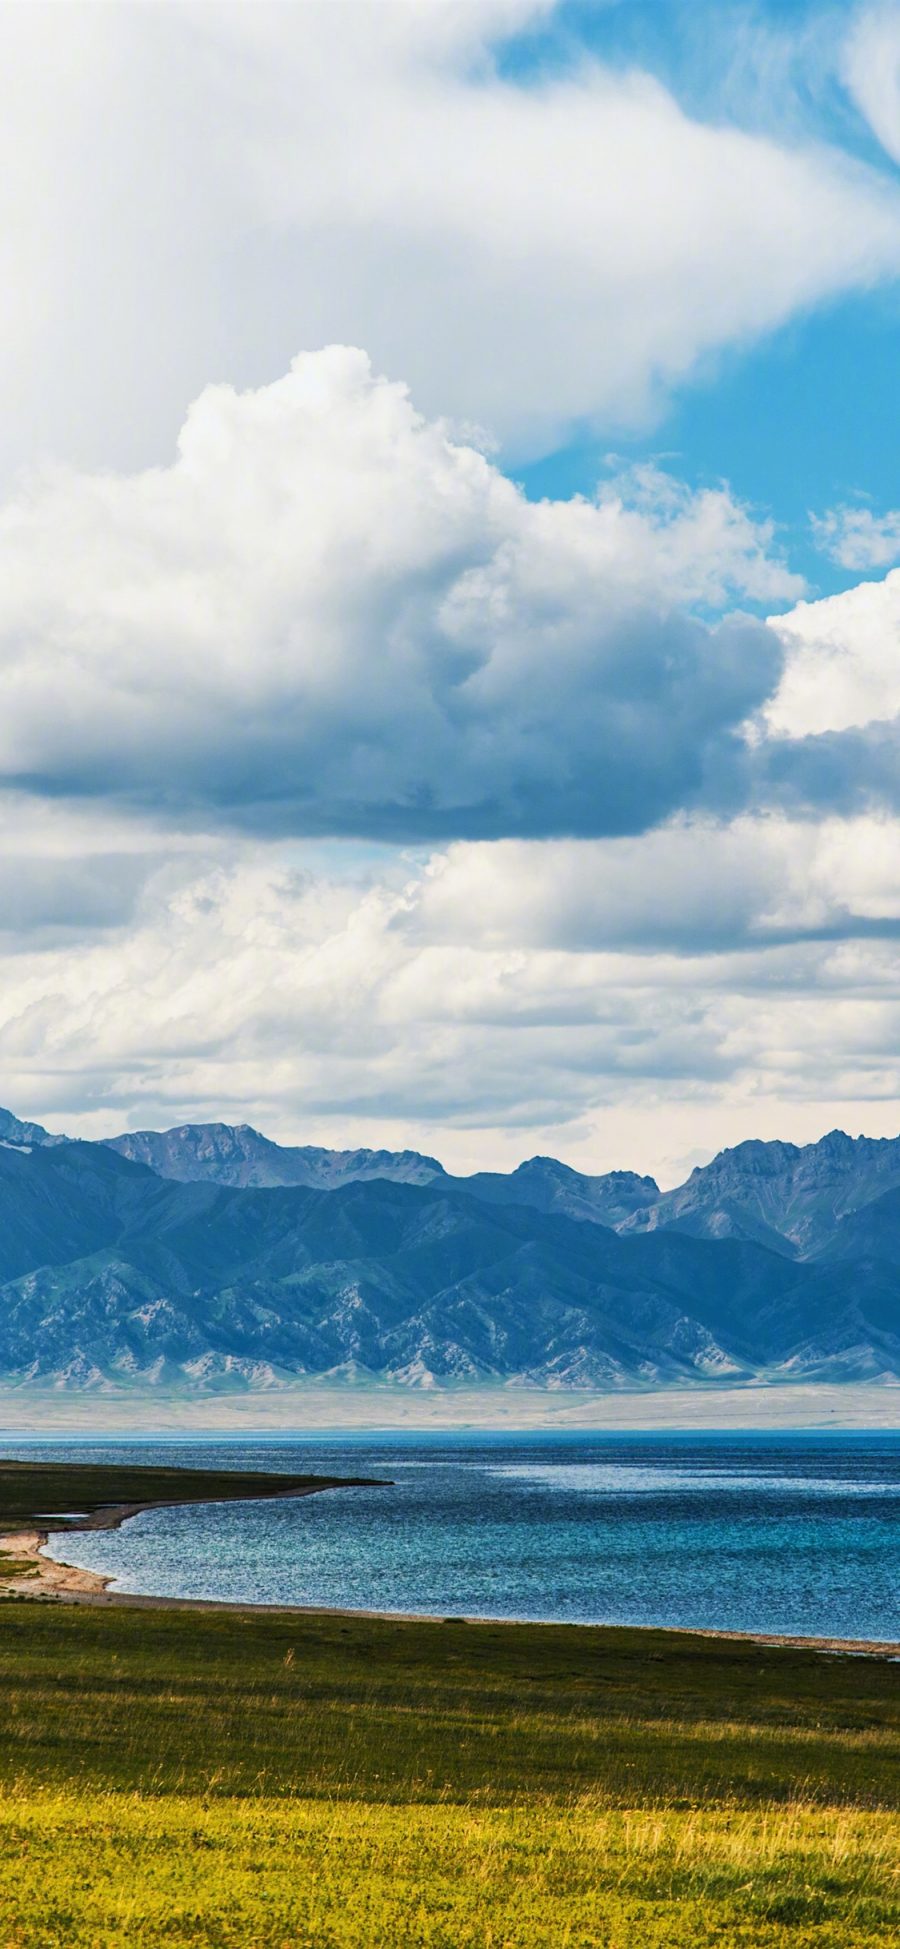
[[196, 190], [620, 1002], [330, 617], [650, 900]]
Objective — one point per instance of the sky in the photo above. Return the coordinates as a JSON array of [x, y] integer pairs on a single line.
[[450, 593]]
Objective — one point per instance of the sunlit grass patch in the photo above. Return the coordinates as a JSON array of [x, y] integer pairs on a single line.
[[82, 1870], [268, 1781]]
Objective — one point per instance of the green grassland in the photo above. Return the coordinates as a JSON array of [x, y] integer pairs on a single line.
[[269, 1780], [263, 1780], [32, 1491]]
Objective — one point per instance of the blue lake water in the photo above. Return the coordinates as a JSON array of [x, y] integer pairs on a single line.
[[791, 1532]]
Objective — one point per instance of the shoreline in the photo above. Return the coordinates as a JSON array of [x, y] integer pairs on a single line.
[[49, 1578], [51, 1581], [759, 1406]]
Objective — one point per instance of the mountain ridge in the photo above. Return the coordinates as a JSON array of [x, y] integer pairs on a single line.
[[786, 1196], [237, 1154], [112, 1273], [791, 1198]]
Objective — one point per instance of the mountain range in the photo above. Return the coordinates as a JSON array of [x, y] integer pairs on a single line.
[[209, 1256]]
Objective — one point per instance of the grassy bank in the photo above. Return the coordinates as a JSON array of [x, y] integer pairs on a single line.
[[59, 1495], [262, 1780]]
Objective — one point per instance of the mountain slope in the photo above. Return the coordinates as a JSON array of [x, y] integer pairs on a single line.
[[789, 1197], [871, 1232], [109, 1271]]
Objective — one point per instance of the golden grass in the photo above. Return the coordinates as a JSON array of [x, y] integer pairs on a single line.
[[224, 1780], [85, 1870]]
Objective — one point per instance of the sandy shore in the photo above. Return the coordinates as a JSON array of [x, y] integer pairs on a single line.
[[43, 1578], [50, 1581]]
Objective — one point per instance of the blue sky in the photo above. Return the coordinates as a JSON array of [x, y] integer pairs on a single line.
[[808, 420], [450, 602], [761, 63], [809, 417]]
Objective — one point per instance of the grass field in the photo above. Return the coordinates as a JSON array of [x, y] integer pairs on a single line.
[[54, 1494], [265, 1781]]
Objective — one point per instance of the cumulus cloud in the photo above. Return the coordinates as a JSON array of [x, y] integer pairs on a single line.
[[330, 617], [198, 189], [828, 740], [842, 667], [857, 538]]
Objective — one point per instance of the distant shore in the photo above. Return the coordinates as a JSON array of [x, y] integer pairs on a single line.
[[49, 1580], [311, 1408]]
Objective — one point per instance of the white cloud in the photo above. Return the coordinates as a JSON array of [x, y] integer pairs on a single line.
[[330, 617], [197, 189], [857, 538], [688, 889], [843, 662], [700, 545], [492, 1002]]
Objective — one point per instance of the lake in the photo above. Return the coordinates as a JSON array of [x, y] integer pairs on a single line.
[[785, 1532]]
